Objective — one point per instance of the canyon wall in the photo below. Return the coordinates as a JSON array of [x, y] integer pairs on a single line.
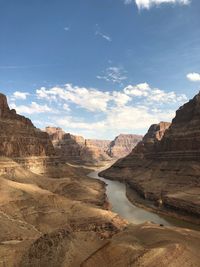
[[77, 149], [20, 140], [165, 167], [123, 144]]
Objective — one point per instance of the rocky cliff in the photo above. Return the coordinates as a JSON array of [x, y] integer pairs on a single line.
[[164, 167], [61, 218], [76, 148], [19, 138], [123, 144]]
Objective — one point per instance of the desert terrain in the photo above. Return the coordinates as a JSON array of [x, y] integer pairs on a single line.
[[53, 214]]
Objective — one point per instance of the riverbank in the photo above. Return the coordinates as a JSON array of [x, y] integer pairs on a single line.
[[185, 221], [135, 209], [159, 195]]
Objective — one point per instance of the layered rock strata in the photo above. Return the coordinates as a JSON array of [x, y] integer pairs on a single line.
[[41, 215], [19, 138], [164, 167], [61, 218], [123, 144], [76, 148]]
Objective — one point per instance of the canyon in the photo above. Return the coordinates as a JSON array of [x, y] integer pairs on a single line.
[[53, 214], [75, 148], [164, 166]]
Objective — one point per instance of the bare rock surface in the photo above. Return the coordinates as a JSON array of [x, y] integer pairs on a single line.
[[37, 213], [164, 166], [19, 137], [60, 218], [148, 245], [76, 148], [123, 144]]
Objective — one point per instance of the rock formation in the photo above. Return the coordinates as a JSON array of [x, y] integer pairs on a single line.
[[123, 144], [19, 138], [77, 149], [61, 218], [164, 167]]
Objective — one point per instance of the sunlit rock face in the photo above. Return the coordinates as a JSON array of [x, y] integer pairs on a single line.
[[76, 148], [123, 144], [19, 137], [183, 137], [23, 142], [164, 166]]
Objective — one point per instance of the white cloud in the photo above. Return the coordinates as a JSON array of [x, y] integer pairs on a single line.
[[104, 36], [74, 123], [146, 4], [118, 120], [132, 109], [131, 117], [154, 94], [193, 76], [50, 94], [120, 99], [113, 74], [20, 95], [137, 90], [99, 32], [66, 107], [88, 98], [96, 100], [67, 28], [33, 108]]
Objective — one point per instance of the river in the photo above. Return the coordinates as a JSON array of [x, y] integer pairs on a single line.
[[116, 193]]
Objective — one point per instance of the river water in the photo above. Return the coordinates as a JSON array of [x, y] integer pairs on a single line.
[[116, 193]]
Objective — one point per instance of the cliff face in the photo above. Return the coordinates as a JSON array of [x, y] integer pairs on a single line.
[[19, 138], [123, 145], [76, 148], [164, 167], [183, 137], [151, 140]]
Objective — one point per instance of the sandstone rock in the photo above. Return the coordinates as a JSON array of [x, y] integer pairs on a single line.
[[123, 144], [77, 149], [164, 167], [60, 218], [19, 138], [40, 215], [148, 245]]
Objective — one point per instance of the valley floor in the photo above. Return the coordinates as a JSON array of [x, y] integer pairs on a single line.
[[61, 219]]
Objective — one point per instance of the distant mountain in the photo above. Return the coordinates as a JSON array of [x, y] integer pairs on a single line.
[[77, 149], [123, 144]]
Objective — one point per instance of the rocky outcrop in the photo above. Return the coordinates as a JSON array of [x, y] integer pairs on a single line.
[[10, 114], [148, 245], [19, 139], [123, 144], [77, 149], [38, 211], [164, 167], [61, 218]]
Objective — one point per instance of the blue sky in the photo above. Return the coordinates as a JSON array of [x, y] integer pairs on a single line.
[[99, 68]]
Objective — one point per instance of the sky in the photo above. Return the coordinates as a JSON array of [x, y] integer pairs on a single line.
[[99, 68]]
